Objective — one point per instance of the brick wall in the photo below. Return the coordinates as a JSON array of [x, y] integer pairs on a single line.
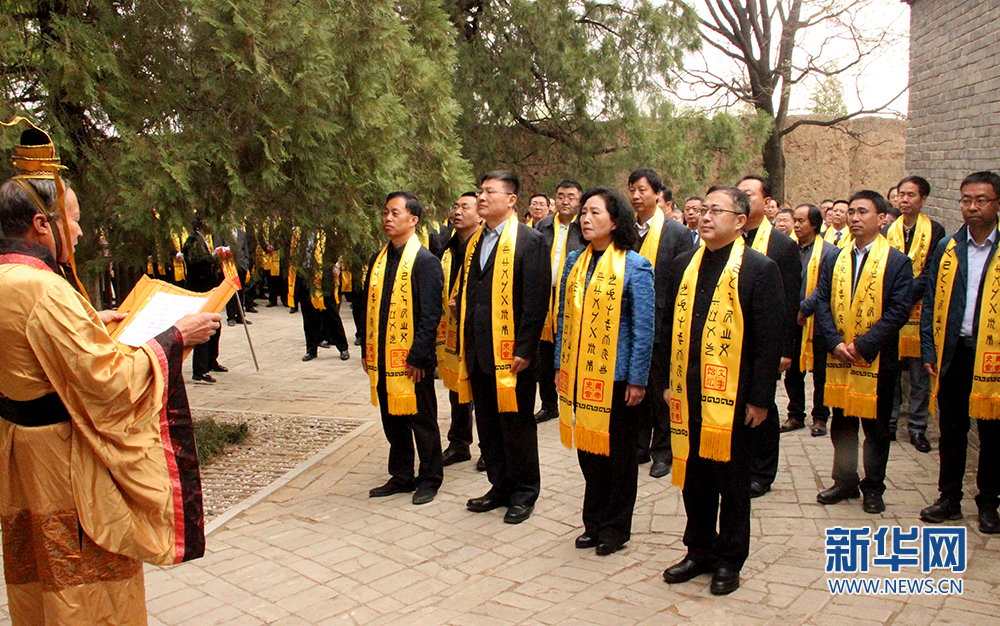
[[954, 112]]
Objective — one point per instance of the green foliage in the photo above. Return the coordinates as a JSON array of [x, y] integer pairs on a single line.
[[308, 111], [828, 98], [213, 438]]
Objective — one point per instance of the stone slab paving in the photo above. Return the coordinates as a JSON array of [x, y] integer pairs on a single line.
[[317, 550]]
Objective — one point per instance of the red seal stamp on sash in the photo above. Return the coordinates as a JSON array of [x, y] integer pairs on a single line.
[[991, 363], [593, 390], [370, 353], [716, 377], [507, 350], [675, 411], [397, 358]]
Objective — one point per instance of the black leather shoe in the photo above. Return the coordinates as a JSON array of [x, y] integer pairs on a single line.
[[757, 488], [517, 513], [481, 465], [308, 356], [725, 581], [685, 571], [325, 344], [270, 305], [204, 378], [920, 442], [485, 503], [792, 424], [873, 503], [424, 495], [390, 488], [604, 549], [545, 415], [293, 310], [585, 541], [218, 368], [454, 455], [231, 323], [345, 355], [357, 341], [818, 429], [659, 469], [942, 510], [838, 493], [989, 521]]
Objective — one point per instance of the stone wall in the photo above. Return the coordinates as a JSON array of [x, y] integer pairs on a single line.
[[954, 97]]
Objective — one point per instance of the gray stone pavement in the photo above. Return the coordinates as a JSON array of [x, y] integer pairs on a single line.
[[317, 550]]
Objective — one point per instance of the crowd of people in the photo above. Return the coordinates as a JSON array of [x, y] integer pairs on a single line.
[[654, 333]]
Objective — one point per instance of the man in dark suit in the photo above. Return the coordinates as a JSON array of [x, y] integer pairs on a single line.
[[808, 220], [509, 439], [880, 341], [203, 274], [912, 193], [236, 239], [717, 493], [955, 359], [400, 216], [674, 239], [785, 252], [559, 244]]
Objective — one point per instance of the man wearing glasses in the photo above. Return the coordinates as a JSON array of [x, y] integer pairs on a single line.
[[505, 298], [959, 339]]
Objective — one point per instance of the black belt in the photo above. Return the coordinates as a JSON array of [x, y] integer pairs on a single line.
[[44, 411]]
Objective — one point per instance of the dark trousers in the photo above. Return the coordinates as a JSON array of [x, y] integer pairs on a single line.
[[545, 373], [460, 431], [953, 403], [920, 395], [717, 496], [795, 387], [358, 313], [319, 325], [653, 416], [276, 287], [609, 497], [509, 441], [233, 307], [206, 355], [764, 443], [844, 433], [403, 430]]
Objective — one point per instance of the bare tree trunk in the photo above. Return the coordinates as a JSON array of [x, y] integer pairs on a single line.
[[774, 165]]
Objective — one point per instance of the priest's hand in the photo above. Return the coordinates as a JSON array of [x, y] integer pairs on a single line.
[[108, 317], [784, 365], [666, 396], [519, 365], [415, 373], [842, 354], [931, 369], [755, 415], [453, 307], [634, 394], [198, 328], [801, 319]]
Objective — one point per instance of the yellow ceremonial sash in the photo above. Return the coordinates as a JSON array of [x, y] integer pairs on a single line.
[[853, 387], [548, 330], [316, 293], [400, 390], [346, 281], [845, 240], [292, 267], [806, 355], [180, 270], [920, 249], [763, 238], [502, 318], [447, 334], [651, 245], [590, 352], [721, 349], [984, 401]]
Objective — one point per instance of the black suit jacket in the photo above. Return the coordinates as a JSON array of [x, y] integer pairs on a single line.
[[532, 281], [574, 238], [882, 339], [762, 329], [956, 306], [203, 271], [675, 239], [783, 250], [920, 282]]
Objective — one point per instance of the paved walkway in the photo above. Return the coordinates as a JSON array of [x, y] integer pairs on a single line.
[[317, 550]]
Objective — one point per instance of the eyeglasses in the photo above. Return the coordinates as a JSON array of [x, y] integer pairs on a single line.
[[716, 210], [490, 192], [981, 202]]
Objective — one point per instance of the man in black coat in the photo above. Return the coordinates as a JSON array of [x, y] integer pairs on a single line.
[[808, 220], [785, 252], [559, 245], [881, 341], [645, 187], [399, 219], [974, 251], [717, 493], [203, 274], [509, 440]]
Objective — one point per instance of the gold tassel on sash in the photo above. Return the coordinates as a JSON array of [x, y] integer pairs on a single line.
[[316, 293], [447, 334], [920, 249], [719, 362], [292, 267], [587, 363], [400, 389], [853, 387], [806, 355]]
